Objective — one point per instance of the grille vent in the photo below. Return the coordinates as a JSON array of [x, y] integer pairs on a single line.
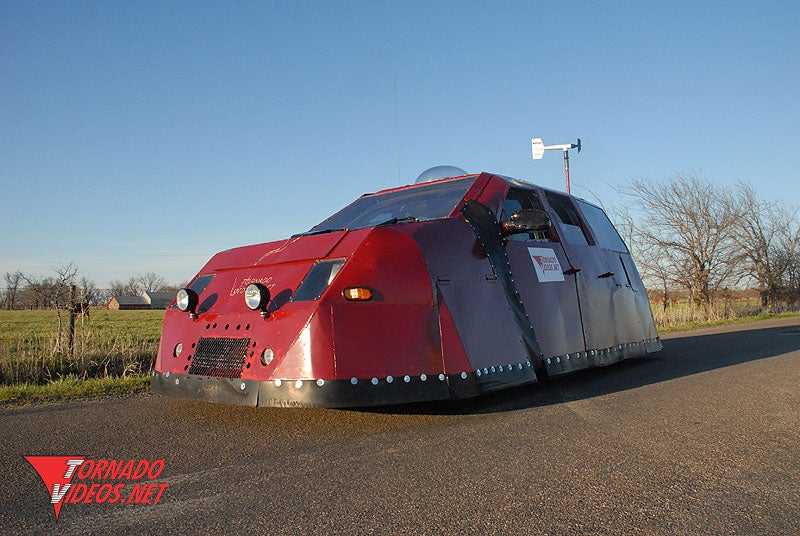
[[219, 357]]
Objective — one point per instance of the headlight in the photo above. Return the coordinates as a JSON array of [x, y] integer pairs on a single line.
[[187, 300], [256, 296]]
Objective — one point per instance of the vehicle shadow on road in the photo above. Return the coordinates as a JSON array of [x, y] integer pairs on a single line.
[[680, 357]]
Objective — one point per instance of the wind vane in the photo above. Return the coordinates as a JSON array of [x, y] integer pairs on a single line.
[[538, 148]]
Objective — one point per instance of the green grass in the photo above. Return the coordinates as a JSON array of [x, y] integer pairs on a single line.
[[101, 323], [71, 387], [107, 344]]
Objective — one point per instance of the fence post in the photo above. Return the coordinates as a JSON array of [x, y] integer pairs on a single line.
[[72, 320]]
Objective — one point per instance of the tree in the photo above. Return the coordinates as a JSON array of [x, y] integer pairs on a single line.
[[686, 233], [138, 284], [789, 257], [87, 291], [650, 258], [55, 293], [12, 283], [131, 287], [151, 282], [52, 292], [765, 233]]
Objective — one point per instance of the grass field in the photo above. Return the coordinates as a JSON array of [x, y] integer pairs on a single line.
[[107, 344], [684, 315]]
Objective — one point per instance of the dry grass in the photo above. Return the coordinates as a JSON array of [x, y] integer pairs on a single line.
[[684, 315], [107, 344]]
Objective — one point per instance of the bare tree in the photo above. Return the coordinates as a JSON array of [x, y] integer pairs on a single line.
[[789, 257], [657, 270], [685, 230], [12, 282], [151, 282], [650, 258], [764, 233], [131, 287], [87, 291], [136, 285], [55, 293], [102, 296], [65, 280]]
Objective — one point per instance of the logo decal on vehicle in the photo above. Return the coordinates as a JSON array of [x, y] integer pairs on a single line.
[[238, 288], [545, 261]]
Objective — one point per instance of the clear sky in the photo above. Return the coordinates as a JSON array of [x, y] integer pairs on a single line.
[[146, 136]]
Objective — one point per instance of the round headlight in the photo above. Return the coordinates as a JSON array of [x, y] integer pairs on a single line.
[[187, 300], [256, 296]]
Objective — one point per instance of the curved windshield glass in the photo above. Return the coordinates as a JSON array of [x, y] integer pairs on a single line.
[[419, 203]]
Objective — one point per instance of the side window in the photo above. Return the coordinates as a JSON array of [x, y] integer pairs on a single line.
[[518, 199], [604, 231], [511, 204], [568, 218]]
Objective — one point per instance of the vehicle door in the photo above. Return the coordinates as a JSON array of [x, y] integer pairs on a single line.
[[632, 313], [598, 281], [544, 279]]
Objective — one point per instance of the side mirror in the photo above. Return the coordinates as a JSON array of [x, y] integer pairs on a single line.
[[528, 220]]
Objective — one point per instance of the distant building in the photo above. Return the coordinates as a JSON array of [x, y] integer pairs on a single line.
[[148, 300], [159, 300], [127, 303]]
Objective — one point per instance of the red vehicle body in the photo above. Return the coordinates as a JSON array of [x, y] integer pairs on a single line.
[[441, 290]]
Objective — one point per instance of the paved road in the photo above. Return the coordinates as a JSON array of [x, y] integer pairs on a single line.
[[701, 438]]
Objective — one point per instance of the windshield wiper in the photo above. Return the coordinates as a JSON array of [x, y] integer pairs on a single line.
[[398, 220], [321, 231]]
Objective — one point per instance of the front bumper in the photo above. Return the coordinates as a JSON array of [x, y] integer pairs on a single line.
[[340, 393], [385, 391]]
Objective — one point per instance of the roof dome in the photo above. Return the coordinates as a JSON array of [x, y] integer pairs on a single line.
[[439, 172]]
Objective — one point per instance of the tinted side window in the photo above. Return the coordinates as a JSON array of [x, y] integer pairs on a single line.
[[607, 236], [568, 218], [518, 199]]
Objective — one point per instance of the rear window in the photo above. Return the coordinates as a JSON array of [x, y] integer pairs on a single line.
[[604, 231]]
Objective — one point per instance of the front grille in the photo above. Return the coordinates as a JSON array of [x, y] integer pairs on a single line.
[[219, 357]]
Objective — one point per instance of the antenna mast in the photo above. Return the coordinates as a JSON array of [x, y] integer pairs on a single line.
[[538, 148]]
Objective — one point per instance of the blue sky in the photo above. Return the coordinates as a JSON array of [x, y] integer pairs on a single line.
[[146, 136]]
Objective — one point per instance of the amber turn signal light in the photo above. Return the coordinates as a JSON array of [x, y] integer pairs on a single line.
[[357, 293]]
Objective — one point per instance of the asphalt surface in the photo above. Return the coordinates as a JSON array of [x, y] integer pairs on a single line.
[[700, 438]]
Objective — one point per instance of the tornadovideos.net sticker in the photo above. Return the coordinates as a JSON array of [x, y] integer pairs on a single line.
[[84, 481]]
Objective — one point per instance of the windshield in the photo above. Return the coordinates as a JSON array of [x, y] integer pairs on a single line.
[[425, 202]]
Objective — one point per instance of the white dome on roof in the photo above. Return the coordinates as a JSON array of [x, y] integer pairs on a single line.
[[439, 172]]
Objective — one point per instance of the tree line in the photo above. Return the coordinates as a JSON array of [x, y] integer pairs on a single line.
[[691, 236], [66, 287]]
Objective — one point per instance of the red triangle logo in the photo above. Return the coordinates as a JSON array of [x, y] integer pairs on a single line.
[[56, 473]]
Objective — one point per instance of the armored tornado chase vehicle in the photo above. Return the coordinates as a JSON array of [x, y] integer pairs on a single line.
[[440, 290]]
